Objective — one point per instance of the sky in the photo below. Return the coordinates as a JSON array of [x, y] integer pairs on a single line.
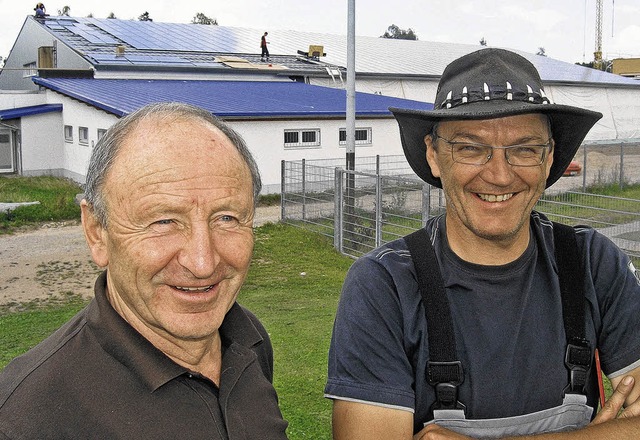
[[564, 28]]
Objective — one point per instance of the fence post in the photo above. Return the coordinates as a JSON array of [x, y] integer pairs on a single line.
[[621, 166], [378, 205], [283, 179], [584, 170], [304, 190], [426, 203], [337, 212]]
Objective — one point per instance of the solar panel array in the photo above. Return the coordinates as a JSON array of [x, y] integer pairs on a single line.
[[92, 34], [153, 44], [167, 36], [379, 56]]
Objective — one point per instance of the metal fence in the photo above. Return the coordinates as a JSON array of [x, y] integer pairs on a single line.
[[603, 164], [384, 200]]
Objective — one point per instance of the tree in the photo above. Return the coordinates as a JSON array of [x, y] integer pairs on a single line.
[[145, 17], [483, 42], [541, 52], [64, 11], [605, 65], [90, 15], [395, 32], [111, 15], [200, 18]]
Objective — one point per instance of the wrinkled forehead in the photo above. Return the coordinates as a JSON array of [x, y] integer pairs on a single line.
[[160, 141]]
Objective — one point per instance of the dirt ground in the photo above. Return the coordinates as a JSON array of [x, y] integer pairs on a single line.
[[53, 262]]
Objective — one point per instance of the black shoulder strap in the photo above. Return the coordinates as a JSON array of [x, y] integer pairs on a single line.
[[444, 371], [571, 276]]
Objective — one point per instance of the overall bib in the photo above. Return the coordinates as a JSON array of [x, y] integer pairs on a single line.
[[445, 373]]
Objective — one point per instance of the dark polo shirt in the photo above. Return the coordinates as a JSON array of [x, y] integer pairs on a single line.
[[96, 377]]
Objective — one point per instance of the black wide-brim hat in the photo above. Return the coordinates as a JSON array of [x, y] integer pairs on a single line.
[[492, 83]]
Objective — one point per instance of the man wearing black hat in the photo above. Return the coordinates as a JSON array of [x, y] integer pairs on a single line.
[[485, 323]]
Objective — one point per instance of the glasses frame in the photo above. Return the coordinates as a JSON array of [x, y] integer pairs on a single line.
[[506, 148]]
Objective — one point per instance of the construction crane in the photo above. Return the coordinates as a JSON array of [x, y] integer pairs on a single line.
[[597, 55]]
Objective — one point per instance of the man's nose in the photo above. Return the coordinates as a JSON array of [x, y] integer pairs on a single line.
[[198, 254], [498, 170]]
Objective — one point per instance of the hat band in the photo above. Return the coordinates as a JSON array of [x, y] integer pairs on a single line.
[[498, 92]]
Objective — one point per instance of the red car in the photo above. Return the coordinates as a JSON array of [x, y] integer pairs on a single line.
[[573, 169]]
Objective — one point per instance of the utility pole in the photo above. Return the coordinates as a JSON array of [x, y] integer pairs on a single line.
[[349, 218], [351, 86]]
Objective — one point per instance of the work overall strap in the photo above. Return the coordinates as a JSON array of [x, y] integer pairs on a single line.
[[444, 371], [571, 276]]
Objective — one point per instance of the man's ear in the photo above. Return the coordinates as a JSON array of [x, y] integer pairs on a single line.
[[95, 234], [431, 156]]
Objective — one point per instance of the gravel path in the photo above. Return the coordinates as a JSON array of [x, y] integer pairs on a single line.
[[53, 262]]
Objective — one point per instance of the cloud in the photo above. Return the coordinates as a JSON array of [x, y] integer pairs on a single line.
[[626, 43], [540, 19]]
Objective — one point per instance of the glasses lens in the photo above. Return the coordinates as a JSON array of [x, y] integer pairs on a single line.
[[526, 155], [478, 154], [472, 154]]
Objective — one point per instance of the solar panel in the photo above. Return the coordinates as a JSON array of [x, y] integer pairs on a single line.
[[105, 58], [165, 36], [92, 35]]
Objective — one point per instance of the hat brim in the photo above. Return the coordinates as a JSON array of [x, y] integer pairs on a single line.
[[569, 126]]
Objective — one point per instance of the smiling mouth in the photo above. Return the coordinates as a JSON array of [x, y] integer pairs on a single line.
[[194, 289], [495, 198]]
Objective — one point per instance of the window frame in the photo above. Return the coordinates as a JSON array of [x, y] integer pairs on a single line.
[[367, 141], [83, 140], [30, 69], [316, 143], [68, 133]]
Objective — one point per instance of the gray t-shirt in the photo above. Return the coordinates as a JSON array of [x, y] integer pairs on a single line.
[[507, 321]]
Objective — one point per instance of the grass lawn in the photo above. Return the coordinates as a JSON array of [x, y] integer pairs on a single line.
[[56, 197], [293, 287]]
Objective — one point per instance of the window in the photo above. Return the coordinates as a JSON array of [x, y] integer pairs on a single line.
[[101, 132], [302, 138], [30, 69], [83, 135], [363, 136], [68, 133]]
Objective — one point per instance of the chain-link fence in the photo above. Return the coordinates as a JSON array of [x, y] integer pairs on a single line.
[[602, 165], [384, 200]]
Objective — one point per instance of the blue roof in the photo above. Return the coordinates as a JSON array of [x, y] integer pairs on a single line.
[[15, 113], [226, 99]]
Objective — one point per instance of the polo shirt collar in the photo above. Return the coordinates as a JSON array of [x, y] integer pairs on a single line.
[[120, 340]]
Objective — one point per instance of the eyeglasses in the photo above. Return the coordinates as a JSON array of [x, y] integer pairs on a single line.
[[525, 155]]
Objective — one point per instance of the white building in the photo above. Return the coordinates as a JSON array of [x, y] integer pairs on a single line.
[[68, 79]]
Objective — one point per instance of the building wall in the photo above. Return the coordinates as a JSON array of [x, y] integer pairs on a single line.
[[25, 51], [266, 141], [45, 150], [15, 99], [74, 153], [627, 67], [40, 146]]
